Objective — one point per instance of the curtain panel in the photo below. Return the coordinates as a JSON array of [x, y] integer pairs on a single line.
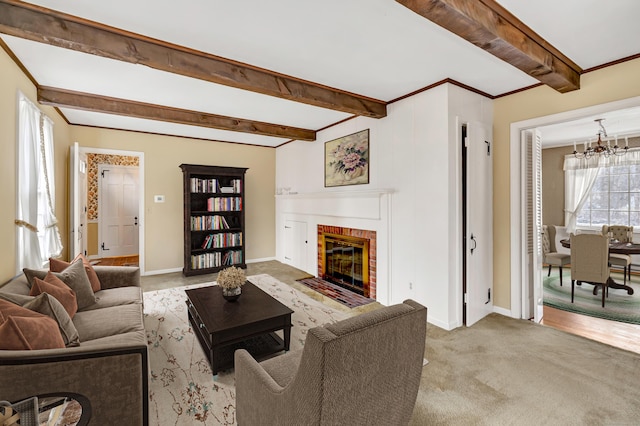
[[38, 235]]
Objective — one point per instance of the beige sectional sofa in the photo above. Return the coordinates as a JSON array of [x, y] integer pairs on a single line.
[[109, 366]]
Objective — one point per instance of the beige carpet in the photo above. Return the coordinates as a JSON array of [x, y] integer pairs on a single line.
[[500, 371], [503, 371]]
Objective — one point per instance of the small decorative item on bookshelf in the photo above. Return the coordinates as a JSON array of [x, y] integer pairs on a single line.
[[231, 280]]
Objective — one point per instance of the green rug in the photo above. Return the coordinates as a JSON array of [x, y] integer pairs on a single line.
[[619, 306]]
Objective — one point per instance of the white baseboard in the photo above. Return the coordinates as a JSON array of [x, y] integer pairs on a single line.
[[162, 271], [502, 311], [264, 259], [169, 271]]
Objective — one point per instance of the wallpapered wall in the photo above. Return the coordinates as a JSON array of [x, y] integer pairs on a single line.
[[93, 160]]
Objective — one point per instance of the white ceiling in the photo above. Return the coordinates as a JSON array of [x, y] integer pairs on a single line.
[[375, 48]]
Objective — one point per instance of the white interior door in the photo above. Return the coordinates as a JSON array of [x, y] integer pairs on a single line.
[[479, 253], [77, 200], [118, 210], [295, 252]]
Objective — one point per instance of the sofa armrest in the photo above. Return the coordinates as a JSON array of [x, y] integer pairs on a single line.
[[118, 276], [115, 381]]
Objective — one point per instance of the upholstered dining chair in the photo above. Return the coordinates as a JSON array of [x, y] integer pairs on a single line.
[[590, 261], [551, 256], [364, 370], [623, 234]]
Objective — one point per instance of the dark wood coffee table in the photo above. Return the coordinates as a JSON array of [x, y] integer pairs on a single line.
[[248, 323]]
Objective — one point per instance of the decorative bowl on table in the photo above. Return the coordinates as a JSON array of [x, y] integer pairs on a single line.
[[231, 280]]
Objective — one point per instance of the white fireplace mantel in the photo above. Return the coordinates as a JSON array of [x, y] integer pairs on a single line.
[[338, 194], [367, 204]]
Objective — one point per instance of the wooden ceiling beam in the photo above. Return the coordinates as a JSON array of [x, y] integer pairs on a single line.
[[59, 29], [491, 27], [96, 103]]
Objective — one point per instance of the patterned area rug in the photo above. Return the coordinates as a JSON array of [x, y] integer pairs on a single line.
[[619, 306], [182, 390], [335, 292]]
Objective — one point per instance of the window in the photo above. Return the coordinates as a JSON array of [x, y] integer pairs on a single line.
[[613, 199], [38, 237]]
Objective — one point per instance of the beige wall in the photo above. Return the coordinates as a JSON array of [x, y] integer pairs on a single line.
[[13, 79], [610, 84], [162, 156], [553, 185]]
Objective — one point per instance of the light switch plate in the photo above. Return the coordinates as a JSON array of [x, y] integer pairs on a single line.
[[158, 198]]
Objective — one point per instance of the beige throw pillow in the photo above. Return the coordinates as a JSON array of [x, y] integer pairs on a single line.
[[57, 265], [75, 277]]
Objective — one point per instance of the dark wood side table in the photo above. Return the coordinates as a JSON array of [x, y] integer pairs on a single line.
[[249, 323]]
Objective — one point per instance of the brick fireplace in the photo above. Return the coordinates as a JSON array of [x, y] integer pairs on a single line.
[[347, 257]]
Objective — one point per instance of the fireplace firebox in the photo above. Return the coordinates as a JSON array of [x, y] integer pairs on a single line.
[[346, 257]]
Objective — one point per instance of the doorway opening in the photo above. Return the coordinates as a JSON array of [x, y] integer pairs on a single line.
[[521, 217], [98, 219]]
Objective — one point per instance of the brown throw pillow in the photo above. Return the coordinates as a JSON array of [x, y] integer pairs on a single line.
[[56, 265], [48, 305], [74, 276], [23, 329], [58, 289]]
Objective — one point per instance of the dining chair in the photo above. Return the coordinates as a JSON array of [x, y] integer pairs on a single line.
[[590, 261], [550, 255], [623, 234]]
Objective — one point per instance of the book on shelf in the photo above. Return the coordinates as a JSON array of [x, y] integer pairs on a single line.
[[199, 185], [221, 204], [216, 259], [204, 223], [222, 240]]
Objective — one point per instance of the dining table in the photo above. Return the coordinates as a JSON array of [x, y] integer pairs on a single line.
[[616, 247]]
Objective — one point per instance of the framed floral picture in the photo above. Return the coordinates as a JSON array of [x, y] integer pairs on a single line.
[[346, 160]]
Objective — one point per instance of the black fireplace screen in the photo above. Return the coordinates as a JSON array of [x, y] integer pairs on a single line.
[[346, 263]]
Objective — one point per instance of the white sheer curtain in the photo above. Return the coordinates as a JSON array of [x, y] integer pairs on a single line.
[[51, 241], [38, 234], [579, 177]]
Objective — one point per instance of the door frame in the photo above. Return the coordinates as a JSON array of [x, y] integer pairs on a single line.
[[517, 193], [141, 179]]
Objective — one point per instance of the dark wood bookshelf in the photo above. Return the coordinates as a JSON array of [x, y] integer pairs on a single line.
[[214, 205]]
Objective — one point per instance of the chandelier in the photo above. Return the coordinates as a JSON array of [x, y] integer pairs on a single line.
[[600, 148]]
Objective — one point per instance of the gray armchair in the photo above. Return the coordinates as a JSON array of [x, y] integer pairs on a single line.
[[364, 370], [551, 255], [590, 261]]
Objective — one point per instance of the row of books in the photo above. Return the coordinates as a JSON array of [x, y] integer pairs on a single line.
[[212, 260], [224, 204], [212, 185], [204, 185], [202, 223], [222, 240]]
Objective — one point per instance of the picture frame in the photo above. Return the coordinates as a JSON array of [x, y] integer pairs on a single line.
[[346, 160]]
